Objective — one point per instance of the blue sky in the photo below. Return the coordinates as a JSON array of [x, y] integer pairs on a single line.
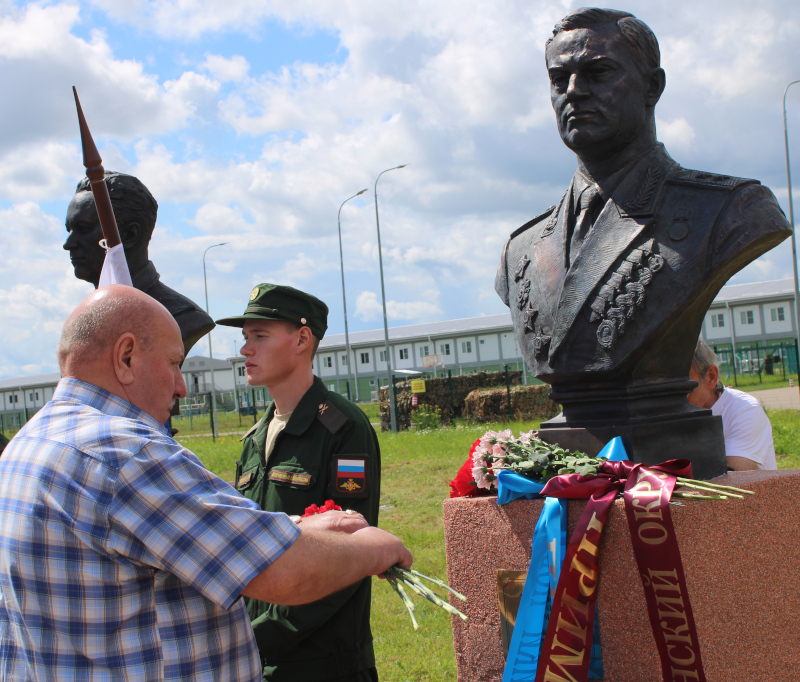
[[252, 120]]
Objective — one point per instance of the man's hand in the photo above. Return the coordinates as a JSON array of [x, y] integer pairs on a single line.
[[335, 521], [321, 562]]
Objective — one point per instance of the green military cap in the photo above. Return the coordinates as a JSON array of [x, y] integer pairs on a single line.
[[279, 302]]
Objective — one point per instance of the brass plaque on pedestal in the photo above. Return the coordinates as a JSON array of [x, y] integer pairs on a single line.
[[509, 593]]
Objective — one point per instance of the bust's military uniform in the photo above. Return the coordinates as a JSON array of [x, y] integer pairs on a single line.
[[327, 450], [665, 242], [192, 320]]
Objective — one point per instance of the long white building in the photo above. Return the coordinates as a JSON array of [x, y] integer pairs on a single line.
[[744, 316]]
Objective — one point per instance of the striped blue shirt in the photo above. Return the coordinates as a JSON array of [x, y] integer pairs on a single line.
[[121, 556]]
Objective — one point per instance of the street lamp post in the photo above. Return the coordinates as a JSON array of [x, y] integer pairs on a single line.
[[214, 430], [791, 220], [344, 298], [392, 406]]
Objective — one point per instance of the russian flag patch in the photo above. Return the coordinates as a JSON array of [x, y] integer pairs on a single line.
[[350, 476]]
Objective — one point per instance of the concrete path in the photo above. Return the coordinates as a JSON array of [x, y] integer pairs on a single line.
[[779, 398]]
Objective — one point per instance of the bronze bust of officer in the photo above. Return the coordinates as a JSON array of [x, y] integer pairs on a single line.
[[609, 287], [135, 210]]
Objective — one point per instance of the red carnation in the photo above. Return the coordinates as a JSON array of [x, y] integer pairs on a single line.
[[329, 505], [463, 485]]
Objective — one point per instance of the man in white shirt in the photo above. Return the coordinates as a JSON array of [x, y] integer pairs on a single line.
[[745, 425]]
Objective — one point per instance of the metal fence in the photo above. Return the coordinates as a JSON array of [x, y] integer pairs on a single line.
[[757, 363]]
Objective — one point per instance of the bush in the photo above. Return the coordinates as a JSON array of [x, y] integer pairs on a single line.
[[426, 417]]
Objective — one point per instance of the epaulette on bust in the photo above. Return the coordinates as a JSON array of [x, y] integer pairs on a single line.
[[686, 176], [331, 417], [532, 222]]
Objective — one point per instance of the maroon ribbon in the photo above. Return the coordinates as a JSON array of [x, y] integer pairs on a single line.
[[566, 652]]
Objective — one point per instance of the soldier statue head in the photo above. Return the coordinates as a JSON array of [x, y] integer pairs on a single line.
[[135, 210], [605, 76]]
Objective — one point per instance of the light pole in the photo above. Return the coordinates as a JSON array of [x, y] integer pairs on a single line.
[[392, 406], [214, 430], [791, 220], [344, 298]]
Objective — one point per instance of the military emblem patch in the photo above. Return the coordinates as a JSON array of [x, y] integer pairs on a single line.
[[254, 294], [349, 476]]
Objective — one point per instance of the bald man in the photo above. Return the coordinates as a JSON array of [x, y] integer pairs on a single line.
[[121, 556]]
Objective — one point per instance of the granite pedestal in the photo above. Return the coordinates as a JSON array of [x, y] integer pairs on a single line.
[[742, 565]]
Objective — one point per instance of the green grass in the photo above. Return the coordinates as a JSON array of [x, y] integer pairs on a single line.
[[200, 424], [754, 382], [417, 467], [786, 436], [372, 410]]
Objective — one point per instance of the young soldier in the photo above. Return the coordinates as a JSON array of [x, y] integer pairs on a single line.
[[311, 446]]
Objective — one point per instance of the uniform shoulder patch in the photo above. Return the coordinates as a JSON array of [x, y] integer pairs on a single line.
[[349, 476], [532, 222], [331, 417]]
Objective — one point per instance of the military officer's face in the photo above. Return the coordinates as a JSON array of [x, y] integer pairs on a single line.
[[599, 96], [270, 350], [83, 238]]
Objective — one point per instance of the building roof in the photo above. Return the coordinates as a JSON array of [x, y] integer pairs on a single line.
[[755, 290], [30, 382], [201, 363], [421, 331]]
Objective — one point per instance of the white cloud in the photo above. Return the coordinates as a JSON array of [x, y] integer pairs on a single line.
[[368, 307], [676, 134], [263, 157], [226, 69]]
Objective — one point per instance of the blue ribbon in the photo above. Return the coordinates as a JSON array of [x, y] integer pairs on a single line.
[[547, 556]]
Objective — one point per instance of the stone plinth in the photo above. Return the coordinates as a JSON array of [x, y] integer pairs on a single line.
[[742, 565]]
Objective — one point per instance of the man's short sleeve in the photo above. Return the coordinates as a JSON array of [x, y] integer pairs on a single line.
[[170, 513], [746, 428]]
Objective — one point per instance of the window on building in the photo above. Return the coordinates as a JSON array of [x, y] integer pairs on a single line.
[[466, 346], [423, 350], [242, 371], [382, 356], [718, 320], [37, 395], [747, 317], [30, 397], [483, 341], [365, 358], [404, 353], [444, 349], [372, 382], [777, 314], [327, 362], [344, 359]]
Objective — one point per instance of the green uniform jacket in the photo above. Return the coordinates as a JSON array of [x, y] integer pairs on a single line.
[[331, 638]]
